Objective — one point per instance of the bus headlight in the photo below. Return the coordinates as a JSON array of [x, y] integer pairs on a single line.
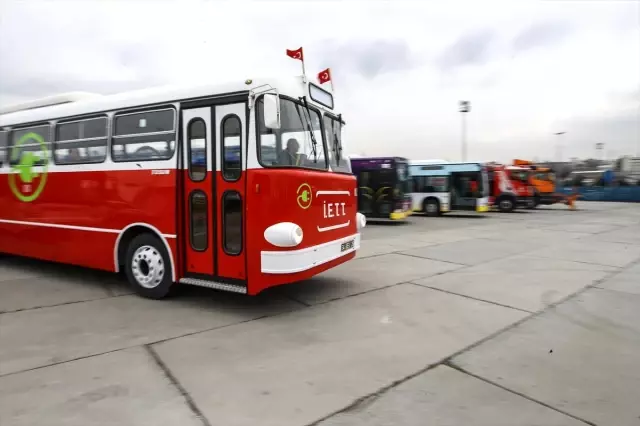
[[361, 221], [284, 234]]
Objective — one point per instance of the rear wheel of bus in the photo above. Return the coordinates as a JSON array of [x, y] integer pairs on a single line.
[[148, 267], [431, 207]]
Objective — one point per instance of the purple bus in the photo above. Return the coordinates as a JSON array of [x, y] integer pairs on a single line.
[[383, 187]]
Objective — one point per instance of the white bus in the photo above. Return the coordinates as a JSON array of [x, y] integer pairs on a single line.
[[438, 187]]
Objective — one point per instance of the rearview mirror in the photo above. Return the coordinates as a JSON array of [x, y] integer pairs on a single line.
[[271, 111]]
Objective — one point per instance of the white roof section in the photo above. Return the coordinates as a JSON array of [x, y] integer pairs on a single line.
[[79, 103], [437, 161], [62, 98]]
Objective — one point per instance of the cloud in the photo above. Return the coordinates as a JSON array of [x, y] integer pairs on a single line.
[[368, 58], [473, 48], [528, 67], [541, 34]]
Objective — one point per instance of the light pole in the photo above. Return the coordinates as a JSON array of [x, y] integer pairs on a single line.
[[559, 147], [464, 108], [600, 151]]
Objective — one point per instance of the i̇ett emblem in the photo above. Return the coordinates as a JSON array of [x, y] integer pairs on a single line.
[[304, 196], [24, 168]]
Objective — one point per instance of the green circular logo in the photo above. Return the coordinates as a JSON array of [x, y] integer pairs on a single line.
[[24, 169]]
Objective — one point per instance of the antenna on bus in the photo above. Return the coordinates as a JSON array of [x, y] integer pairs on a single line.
[[63, 98]]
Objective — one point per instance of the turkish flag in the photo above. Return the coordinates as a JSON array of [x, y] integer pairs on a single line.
[[295, 54], [324, 76]]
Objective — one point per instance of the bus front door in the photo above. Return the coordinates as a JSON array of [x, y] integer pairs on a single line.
[[462, 192], [213, 194]]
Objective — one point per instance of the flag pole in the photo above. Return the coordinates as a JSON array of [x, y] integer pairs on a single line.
[[304, 73]]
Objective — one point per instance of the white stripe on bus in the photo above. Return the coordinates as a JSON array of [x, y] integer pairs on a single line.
[[73, 227]]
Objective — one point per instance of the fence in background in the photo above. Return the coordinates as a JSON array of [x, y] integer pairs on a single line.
[[629, 194]]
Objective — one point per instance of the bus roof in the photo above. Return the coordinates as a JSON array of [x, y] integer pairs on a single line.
[[66, 105], [378, 159], [443, 162], [425, 169]]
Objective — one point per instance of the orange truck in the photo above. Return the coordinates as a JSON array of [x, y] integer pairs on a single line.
[[543, 181]]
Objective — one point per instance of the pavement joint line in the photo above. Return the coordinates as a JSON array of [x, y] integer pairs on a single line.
[[435, 260], [34, 308], [541, 256], [195, 410], [582, 262], [474, 298], [149, 343], [371, 397], [293, 299], [453, 365]]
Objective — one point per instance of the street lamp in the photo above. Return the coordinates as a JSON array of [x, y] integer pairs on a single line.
[[559, 147], [600, 151], [464, 108]]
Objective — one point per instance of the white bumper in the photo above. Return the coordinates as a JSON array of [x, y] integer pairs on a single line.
[[292, 261]]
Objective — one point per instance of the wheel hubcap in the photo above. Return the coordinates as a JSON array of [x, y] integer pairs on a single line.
[[506, 204], [431, 208], [147, 267]]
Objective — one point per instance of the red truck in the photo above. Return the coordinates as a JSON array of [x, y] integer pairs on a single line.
[[510, 187]]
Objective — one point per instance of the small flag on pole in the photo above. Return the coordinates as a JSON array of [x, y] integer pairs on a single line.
[[325, 76], [299, 55], [296, 54]]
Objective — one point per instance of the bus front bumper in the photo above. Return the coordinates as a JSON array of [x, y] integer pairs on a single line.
[[400, 214], [294, 261]]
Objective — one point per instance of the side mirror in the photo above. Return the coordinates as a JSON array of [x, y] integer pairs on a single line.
[[271, 111]]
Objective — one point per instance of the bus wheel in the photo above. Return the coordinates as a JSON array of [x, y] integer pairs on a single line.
[[431, 207], [506, 205], [148, 267]]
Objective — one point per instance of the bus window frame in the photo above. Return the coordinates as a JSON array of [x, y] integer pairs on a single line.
[[10, 144], [259, 137], [107, 138], [133, 111]]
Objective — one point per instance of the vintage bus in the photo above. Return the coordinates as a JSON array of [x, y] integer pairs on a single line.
[[439, 187], [383, 187], [237, 187]]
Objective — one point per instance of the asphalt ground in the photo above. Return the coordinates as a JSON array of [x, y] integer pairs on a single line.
[[528, 318]]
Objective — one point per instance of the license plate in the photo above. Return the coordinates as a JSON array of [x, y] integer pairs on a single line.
[[348, 245]]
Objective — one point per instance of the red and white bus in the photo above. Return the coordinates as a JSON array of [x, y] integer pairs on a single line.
[[237, 187]]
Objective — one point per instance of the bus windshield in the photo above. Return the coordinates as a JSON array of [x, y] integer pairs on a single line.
[[403, 185], [337, 158], [292, 145]]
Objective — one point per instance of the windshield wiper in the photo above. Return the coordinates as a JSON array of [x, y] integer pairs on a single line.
[[337, 143], [314, 143]]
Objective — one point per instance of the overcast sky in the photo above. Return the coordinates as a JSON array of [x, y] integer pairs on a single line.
[[529, 68]]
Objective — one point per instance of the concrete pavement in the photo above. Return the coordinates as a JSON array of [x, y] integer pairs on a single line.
[[530, 318]]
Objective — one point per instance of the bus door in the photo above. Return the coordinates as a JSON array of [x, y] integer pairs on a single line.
[[214, 140], [464, 191], [231, 134]]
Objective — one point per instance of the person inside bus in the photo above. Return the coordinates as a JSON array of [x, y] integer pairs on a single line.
[[289, 156]]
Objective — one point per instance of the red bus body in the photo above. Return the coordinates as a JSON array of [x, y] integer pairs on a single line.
[[87, 214]]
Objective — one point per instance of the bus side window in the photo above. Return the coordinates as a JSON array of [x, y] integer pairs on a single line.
[[4, 147], [32, 143], [231, 148], [144, 136], [81, 141]]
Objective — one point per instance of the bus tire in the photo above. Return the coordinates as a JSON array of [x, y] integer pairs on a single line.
[[506, 204], [431, 207], [148, 267], [535, 202]]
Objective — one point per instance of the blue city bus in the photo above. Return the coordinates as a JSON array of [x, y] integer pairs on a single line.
[[438, 187], [383, 187]]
